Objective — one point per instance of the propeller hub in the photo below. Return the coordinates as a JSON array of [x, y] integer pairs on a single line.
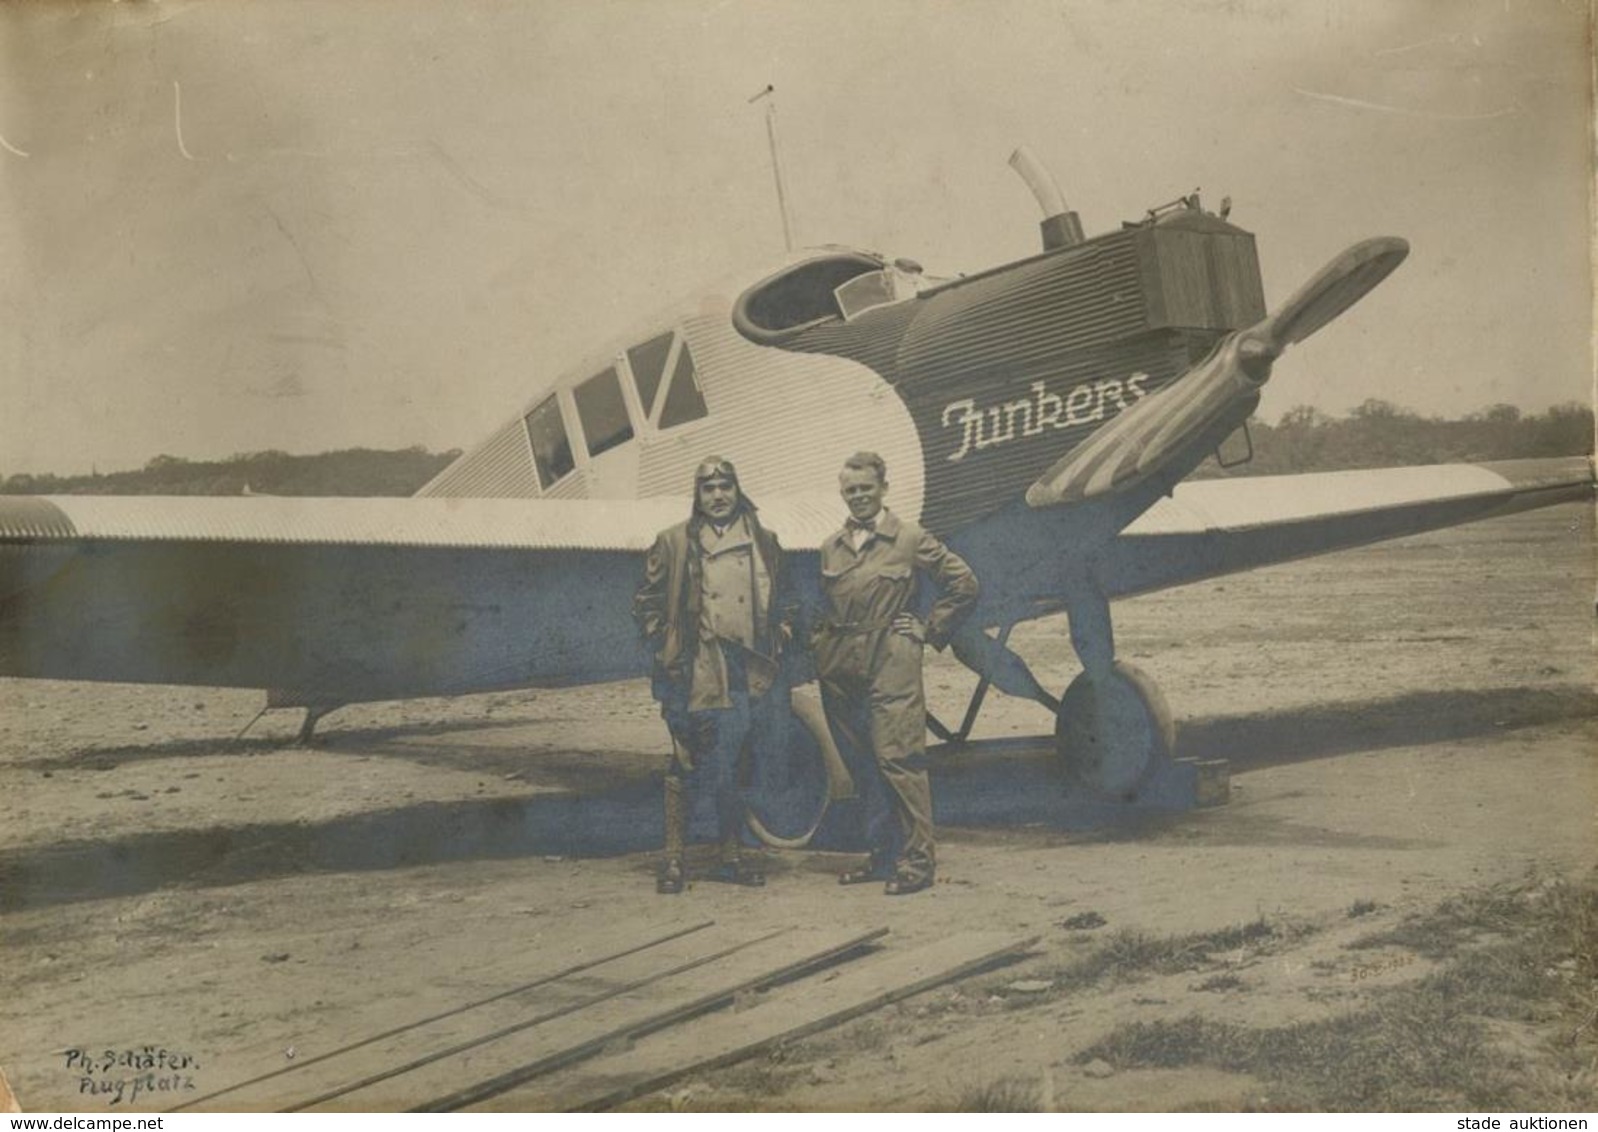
[[1255, 356]]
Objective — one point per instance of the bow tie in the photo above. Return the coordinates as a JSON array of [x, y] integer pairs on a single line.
[[861, 524]]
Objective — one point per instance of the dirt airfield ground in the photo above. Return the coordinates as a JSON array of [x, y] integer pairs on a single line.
[[1407, 725]]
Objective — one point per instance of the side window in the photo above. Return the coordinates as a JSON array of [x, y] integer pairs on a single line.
[[648, 363], [552, 452], [603, 412], [684, 402]]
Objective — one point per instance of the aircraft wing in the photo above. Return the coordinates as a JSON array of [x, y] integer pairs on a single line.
[[1211, 527], [330, 600], [335, 599]]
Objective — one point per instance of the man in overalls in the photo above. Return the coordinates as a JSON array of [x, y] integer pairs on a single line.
[[715, 610], [868, 656]]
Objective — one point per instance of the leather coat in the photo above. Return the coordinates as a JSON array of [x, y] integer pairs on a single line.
[[667, 605]]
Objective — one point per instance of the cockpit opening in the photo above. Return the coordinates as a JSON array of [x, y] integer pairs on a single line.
[[804, 294]]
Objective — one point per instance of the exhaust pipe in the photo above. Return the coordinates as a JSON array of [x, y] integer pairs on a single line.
[[1060, 226]]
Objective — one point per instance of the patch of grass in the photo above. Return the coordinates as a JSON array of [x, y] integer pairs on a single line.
[[759, 1078], [1429, 1045], [1441, 932], [1128, 954], [866, 1036], [1193, 1040], [706, 1099], [1362, 908], [759, 1082], [1007, 1094], [1559, 1089], [1222, 982], [1083, 922], [1369, 1059]]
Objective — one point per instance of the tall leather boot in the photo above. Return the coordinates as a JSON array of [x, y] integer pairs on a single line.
[[672, 877]]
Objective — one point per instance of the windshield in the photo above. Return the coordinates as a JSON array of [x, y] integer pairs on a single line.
[[863, 292], [892, 284]]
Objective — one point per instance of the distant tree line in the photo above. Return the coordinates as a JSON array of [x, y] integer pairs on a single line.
[[352, 471], [1380, 434], [1376, 434]]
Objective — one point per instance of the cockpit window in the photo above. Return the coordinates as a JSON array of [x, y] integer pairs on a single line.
[[648, 363], [684, 401], [552, 452], [863, 292], [603, 411]]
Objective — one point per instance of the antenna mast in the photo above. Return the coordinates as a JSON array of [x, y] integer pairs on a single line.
[[770, 95]]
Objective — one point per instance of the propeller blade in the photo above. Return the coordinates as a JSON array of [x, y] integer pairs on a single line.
[[1218, 393], [1330, 291]]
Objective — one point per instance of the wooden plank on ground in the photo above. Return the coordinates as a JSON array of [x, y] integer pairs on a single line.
[[536, 1006], [255, 1092], [785, 1015], [376, 1081], [456, 1082]]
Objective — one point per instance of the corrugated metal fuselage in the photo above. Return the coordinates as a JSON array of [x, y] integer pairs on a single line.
[[1006, 372], [969, 390]]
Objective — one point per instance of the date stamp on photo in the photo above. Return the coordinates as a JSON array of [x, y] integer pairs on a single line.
[[1371, 970]]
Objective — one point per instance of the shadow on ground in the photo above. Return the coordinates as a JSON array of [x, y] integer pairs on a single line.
[[1004, 784], [1420, 719], [369, 740]]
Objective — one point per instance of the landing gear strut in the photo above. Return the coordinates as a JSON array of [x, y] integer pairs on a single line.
[[1112, 728], [314, 711], [991, 659], [313, 716]]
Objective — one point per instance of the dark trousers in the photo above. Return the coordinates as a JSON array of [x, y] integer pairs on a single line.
[[718, 741]]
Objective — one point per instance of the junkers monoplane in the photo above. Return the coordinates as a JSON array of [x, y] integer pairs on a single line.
[[1041, 416]]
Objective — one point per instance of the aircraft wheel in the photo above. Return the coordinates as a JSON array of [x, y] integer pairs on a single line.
[[789, 795], [1113, 733]]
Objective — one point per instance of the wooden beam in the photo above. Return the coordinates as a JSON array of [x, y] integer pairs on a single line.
[[469, 1045], [828, 948], [542, 980], [859, 990], [731, 1037]]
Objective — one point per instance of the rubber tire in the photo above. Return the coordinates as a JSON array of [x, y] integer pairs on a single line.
[[1114, 734], [791, 821]]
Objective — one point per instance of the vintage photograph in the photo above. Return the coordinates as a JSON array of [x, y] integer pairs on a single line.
[[703, 555]]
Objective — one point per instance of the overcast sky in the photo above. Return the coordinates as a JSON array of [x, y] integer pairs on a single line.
[[248, 225]]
